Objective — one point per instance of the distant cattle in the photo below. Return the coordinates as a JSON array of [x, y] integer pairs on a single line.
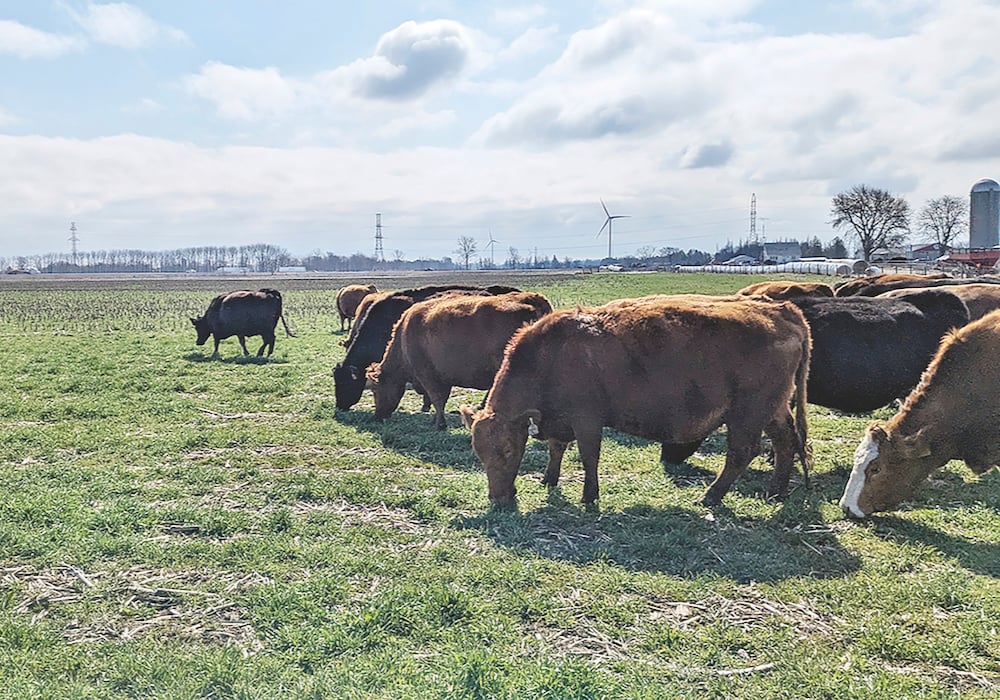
[[954, 413], [372, 331], [780, 290], [874, 290], [868, 351], [886, 281], [453, 341], [670, 369], [979, 299], [242, 313], [348, 299]]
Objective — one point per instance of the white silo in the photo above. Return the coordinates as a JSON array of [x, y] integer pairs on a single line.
[[984, 214]]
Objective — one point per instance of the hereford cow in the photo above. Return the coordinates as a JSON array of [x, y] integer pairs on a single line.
[[348, 299], [893, 280], [242, 313], [868, 351], [670, 369], [954, 413], [780, 290], [980, 299], [453, 341], [372, 331]]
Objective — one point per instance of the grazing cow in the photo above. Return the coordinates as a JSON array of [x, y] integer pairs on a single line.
[[372, 331], [362, 309], [670, 369], [980, 299], [868, 351], [954, 413], [348, 299], [453, 341], [242, 313], [780, 290], [892, 280]]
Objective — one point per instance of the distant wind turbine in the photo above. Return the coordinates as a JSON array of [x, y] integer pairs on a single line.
[[492, 243], [607, 224]]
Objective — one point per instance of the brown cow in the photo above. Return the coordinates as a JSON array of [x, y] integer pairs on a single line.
[[954, 413], [670, 369], [359, 313], [348, 299], [883, 282], [242, 313], [980, 299], [780, 290], [451, 341]]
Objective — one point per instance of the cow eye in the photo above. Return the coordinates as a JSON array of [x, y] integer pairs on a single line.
[[873, 470]]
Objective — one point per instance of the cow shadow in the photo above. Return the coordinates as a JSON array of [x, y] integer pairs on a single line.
[[973, 554], [236, 359], [686, 542]]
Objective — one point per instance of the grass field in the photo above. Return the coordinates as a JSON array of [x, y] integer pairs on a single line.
[[176, 526]]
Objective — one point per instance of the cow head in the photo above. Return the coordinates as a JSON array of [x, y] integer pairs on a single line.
[[348, 385], [388, 390], [499, 443], [201, 325], [887, 470]]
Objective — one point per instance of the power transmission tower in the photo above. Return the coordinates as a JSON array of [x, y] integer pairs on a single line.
[[753, 217], [73, 238], [379, 255]]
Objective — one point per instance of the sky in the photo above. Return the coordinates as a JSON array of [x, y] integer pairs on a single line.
[[163, 125]]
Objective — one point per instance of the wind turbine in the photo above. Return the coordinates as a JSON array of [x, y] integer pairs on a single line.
[[492, 243], [607, 224]]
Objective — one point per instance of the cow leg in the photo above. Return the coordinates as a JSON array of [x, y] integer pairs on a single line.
[[243, 344], [588, 442], [557, 448], [216, 352], [784, 440], [268, 343], [741, 447], [439, 398], [677, 452]]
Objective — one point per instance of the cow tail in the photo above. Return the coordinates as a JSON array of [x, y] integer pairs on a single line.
[[804, 447], [281, 314], [285, 324]]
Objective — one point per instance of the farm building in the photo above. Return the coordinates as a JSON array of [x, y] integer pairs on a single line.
[[782, 251], [984, 214]]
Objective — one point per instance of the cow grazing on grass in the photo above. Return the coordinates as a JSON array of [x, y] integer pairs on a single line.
[[453, 341], [242, 313], [348, 299], [980, 299], [362, 309], [954, 413], [372, 330], [884, 282], [868, 351], [670, 369], [780, 290]]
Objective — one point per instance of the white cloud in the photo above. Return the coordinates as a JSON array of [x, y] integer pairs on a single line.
[[124, 25], [26, 42], [417, 121], [244, 93]]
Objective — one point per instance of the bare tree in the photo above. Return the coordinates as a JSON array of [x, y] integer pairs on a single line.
[[466, 249], [944, 219], [875, 217], [513, 258]]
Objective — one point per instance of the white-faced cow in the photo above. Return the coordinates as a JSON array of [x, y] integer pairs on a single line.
[[954, 413], [452, 341], [670, 369], [348, 299], [371, 335], [242, 313], [869, 351]]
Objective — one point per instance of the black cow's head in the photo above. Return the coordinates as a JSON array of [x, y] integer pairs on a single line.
[[348, 385], [201, 325]]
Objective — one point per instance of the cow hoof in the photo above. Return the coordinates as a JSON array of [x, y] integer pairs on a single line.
[[709, 500]]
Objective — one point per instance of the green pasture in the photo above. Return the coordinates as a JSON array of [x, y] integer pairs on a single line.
[[177, 526]]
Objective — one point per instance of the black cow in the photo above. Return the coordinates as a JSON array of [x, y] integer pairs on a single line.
[[242, 313], [373, 329], [868, 351]]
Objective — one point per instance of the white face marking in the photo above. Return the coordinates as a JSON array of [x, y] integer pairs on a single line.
[[863, 456]]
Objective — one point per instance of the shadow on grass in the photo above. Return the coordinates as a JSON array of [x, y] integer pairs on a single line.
[[236, 360], [978, 556]]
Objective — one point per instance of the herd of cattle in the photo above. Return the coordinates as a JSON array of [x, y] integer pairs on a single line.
[[674, 368]]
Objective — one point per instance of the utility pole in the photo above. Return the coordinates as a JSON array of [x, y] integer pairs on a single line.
[[753, 217], [379, 255]]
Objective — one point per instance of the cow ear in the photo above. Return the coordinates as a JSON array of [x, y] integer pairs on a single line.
[[917, 446], [878, 432], [194, 321], [374, 371]]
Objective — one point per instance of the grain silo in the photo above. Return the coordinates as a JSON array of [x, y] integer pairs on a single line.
[[984, 214]]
